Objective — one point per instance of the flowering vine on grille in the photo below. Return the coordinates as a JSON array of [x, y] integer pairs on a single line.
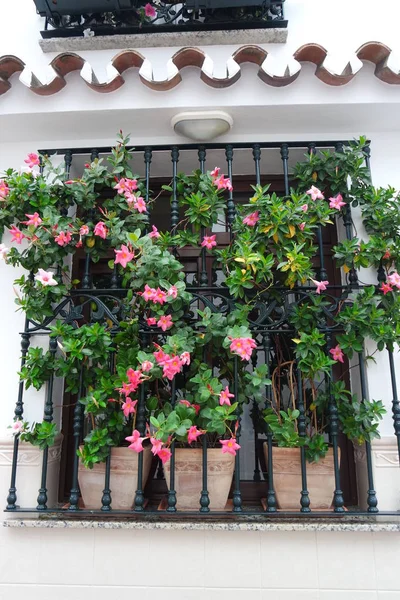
[[193, 364]]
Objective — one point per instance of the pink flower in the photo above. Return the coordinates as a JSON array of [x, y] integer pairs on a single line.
[[229, 446], [135, 377], [34, 220], [84, 230], [148, 293], [193, 434], [154, 233], [127, 388], [161, 357], [243, 347], [151, 321], [4, 189], [185, 403], [17, 235], [164, 454], [386, 288], [3, 251], [224, 397], [32, 160], [126, 185], [159, 297], [17, 427], [304, 207], [394, 279], [386, 256], [171, 367], [79, 244], [223, 183], [45, 277], [156, 445], [196, 408], [101, 230], [123, 256], [252, 219], [140, 205], [302, 225], [63, 238], [146, 366], [214, 174], [315, 193], [321, 285], [173, 292], [150, 11], [209, 241], [165, 322], [130, 198], [337, 353], [336, 202], [185, 358], [135, 441], [128, 406]]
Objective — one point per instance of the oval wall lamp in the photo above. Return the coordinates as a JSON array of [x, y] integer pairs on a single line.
[[202, 126]]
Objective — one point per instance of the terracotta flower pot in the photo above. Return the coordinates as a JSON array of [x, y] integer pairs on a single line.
[[287, 478], [123, 479], [188, 477]]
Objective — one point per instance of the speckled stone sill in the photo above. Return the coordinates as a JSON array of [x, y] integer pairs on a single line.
[[293, 525]]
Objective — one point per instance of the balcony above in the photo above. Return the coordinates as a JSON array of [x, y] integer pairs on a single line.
[[103, 24]]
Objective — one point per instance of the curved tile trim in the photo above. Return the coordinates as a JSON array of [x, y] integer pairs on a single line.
[[65, 63]]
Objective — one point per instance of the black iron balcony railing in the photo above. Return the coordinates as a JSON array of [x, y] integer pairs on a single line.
[[252, 488], [69, 18]]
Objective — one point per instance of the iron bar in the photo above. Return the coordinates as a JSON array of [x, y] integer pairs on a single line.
[[271, 498], [77, 425], [395, 402], [172, 492], [304, 500], [230, 205], [106, 497], [237, 496], [285, 164], [174, 200]]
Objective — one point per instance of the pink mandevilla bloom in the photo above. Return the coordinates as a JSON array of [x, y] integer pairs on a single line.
[[321, 285], [100, 230], [17, 235], [315, 193], [63, 238], [148, 293], [140, 205], [394, 279], [123, 256], [84, 230], [243, 347], [337, 353], [146, 366], [304, 207], [193, 433], [150, 11], [154, 232], [34, 220], [159, 297], [224, 397], [223, 183], [4, 189], [164, 454], [185, 358], [17, 427], [209, 241], [161, 357], [229, 446], [173, 292], [302, 225], [165, 322], [126, 185], [156, 445], [135, 377], [45, 277], [151, 321], [185, 403], [3, 251], [337, 202], [386, 288], [171, 367], [128, 406], [32, 160], [252, 219], [135, 441], [215, 172]]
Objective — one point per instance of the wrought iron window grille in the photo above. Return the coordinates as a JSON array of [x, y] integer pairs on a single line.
[[268, 322], [70, 18]]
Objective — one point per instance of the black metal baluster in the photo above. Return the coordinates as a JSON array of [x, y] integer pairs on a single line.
[[106, 497], [271, 498], [230, 206], [174, 200], [18, 412], [322, 273], [305, 499], [140, 426], [285, 159], [204, 497], [48, 418], [67, 172], [256, 416], [203, 255], [395, 402], [372, 500], [148, 154], [367, 156], [172, 492], [338, 500], [77, 426], [237, 496], [201, 153], [257, 158]]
